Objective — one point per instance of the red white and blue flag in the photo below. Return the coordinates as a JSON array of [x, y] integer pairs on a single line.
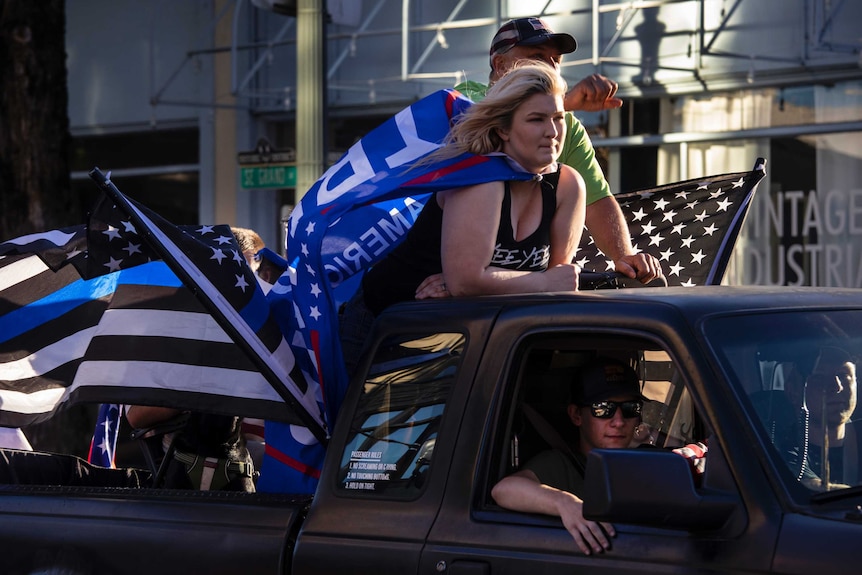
[[349, 219], [103, 446]]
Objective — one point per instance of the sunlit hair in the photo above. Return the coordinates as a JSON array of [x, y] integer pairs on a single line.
[[477, 130], [248, 239]]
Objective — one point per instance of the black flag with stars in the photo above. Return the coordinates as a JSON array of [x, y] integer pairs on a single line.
[[691, 226], [208, 261], [148, 313]]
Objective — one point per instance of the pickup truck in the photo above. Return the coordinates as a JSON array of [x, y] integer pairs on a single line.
[[454, 394]]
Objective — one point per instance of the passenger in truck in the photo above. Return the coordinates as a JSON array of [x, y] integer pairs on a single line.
[[208, 451], [830, 395], [531, 39]]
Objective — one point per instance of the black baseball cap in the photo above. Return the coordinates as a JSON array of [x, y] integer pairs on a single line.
[[603, 378], [529, 32]]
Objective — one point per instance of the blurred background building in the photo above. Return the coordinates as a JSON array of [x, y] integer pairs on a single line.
[[225, 111]]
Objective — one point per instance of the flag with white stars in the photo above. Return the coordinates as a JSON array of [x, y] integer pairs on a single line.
[[121, 326], [361, 208], [209, 262], [103, 447], [351, 218], [691, 226]]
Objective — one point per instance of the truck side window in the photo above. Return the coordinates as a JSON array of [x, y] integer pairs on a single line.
[[547, 369], [391, 442]]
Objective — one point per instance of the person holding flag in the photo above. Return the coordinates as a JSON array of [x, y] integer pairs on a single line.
[[495, 237]]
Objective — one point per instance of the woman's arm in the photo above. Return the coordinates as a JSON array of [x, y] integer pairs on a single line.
[[568, 223]]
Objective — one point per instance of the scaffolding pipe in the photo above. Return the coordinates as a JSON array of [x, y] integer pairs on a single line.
[[405, 29]]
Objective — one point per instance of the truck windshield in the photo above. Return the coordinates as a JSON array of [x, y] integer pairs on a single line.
[[798, 371]]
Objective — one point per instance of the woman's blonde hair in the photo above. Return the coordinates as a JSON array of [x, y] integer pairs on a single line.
[[477, 130]]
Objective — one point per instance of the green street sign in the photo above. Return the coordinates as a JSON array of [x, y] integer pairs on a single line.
[[268, 176]]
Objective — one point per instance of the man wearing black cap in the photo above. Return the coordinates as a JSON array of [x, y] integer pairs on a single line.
[[606, 407], [532, 39]]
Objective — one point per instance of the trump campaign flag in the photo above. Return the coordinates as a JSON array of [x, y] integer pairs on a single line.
[[690, 227], [351, 218]]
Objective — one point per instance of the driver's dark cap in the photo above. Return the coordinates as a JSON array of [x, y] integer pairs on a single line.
[[529, 32], [603, 378], [830, 357]]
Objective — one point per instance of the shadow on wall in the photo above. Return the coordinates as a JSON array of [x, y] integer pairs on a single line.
[[649, 33]]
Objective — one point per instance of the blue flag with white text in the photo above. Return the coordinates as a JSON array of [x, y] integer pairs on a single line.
[[351, 218]]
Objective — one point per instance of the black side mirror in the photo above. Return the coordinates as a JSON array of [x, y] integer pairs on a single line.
[[651, 487]]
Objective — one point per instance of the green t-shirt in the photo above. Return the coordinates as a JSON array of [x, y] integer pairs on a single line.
[[558, 470], [578, 150]]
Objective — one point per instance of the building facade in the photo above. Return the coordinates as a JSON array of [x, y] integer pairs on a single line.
[[195, 105]]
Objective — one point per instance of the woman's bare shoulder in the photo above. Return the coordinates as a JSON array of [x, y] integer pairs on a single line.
[[476, 192], [570, 181]]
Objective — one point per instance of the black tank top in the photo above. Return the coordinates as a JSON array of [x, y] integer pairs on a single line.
[[395, 278]]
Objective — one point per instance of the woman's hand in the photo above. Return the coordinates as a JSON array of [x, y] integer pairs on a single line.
[[562, 277], [434, 286]]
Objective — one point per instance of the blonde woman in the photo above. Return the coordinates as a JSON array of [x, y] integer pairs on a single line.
[[492, 238]]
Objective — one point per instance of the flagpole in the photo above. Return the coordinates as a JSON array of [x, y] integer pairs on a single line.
[[720, 264], [215, 311]]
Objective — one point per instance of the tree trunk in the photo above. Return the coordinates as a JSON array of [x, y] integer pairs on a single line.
[[35, 191]]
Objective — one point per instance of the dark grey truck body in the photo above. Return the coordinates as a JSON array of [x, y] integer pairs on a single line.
[[432, 511]]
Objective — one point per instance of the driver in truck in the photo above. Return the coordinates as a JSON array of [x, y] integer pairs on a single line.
[[606, 404]]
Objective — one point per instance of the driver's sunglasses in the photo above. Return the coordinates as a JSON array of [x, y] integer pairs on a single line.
[[607, 409]]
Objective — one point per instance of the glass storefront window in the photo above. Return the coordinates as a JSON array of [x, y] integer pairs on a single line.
[[769, 108], [805, 224], [172, 192]]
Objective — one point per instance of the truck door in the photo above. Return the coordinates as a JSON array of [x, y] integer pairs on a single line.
[[522, 403], [383, 484]]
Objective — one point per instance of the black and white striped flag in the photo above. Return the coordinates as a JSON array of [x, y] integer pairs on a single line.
[[118, 326]]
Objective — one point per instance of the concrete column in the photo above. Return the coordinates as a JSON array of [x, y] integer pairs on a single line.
[[225, 179], [310, 94]]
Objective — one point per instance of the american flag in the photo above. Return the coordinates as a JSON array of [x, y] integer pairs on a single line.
[[689, 226], [103, 447]]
